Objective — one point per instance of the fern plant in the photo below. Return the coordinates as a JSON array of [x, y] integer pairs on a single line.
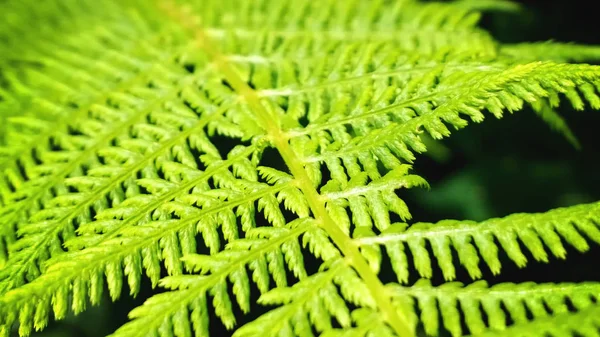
[[213, 147]]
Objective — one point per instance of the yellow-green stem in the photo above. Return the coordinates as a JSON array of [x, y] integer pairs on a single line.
[[270, 123]]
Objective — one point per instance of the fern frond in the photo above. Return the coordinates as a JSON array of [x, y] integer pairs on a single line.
[[582, 323], [50, 174], [314, 301], [30, 186], [552, 51], [271, 125], [508, 308], [370, 203], [466, 96], [262, 250], [489, 5], [413, 25], [456, 304], [161, 229], [269, 131], [56, 58], [540, 233], [41, 235], [33, 75]]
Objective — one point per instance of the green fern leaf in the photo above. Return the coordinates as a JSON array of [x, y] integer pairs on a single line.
[[136, 133], [541, 234]]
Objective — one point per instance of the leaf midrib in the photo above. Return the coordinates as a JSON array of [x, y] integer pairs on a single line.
[[271, 123]]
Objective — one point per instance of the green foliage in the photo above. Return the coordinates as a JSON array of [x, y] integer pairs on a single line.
[[214, 148]]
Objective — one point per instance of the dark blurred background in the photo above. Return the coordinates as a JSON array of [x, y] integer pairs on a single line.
[[516, 164]]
